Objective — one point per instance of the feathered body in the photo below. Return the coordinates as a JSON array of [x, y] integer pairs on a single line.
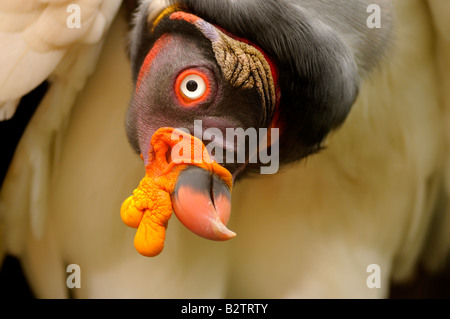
[[374, 195]]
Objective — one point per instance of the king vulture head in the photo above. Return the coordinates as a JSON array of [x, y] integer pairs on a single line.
[[228, 64]]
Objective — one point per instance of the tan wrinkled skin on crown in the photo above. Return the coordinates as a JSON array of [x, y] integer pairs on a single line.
[[245, 67]]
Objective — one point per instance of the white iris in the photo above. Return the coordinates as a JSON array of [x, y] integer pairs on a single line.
[[193, 87]]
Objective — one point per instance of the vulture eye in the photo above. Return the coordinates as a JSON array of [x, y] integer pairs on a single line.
[[192, 87]]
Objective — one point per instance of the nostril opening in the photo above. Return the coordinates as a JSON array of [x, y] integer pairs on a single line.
[[169, 156], [211, 190]]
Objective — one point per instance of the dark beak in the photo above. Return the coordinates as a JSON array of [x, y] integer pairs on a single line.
[[202, 202]]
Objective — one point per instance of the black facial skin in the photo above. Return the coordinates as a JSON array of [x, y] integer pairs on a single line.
[[321, 50], [155, 103]]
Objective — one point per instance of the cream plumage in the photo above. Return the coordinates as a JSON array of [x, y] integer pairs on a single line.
[[38, 39], [37, 45], [372, 197]]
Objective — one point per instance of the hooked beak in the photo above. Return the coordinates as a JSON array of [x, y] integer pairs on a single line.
[[202, 203]]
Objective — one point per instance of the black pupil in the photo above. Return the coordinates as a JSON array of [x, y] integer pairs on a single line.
[[192, 86]]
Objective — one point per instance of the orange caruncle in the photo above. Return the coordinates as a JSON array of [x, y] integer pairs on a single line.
[[150, 207]]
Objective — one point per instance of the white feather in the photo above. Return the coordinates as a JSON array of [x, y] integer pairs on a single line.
[[38, 39], [7, 109], [25, 189]]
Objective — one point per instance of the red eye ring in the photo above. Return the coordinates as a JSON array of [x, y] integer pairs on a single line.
[[192, 87]]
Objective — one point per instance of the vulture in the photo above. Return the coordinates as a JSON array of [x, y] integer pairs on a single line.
[[323, 129]]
